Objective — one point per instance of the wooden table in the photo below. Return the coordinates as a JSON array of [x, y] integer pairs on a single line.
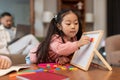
[[92, 74]]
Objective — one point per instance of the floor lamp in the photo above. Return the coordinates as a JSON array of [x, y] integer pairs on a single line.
[[89, 18]]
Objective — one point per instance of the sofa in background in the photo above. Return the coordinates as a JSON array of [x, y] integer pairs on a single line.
[[112, 48]]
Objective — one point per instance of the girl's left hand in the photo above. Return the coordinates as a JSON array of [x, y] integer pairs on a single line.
[[63, 60]]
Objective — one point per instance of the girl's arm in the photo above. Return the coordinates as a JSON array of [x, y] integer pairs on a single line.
[[5, 62], [33, 58], [69, 47], [64, 48]]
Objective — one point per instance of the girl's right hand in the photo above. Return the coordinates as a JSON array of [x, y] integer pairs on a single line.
[[83, 41]]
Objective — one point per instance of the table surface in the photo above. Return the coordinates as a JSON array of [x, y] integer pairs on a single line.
[[92, 74]]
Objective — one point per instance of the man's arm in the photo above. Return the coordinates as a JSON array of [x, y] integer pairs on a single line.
[[3, 44]]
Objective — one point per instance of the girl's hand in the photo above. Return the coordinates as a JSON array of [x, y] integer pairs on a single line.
[[5, 62], [63, 60], [83, 41]]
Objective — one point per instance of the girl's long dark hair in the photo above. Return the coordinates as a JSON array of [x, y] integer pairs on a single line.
[[43, 49]]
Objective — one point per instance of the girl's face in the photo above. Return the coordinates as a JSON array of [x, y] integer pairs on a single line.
[[69, 25]]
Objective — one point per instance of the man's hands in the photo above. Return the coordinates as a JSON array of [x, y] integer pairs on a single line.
[[5, 62]]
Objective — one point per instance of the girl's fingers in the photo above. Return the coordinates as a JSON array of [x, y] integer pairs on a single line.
[[85, 40]]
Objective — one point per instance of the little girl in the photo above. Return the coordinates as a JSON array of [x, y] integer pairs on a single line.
[[62, 40]]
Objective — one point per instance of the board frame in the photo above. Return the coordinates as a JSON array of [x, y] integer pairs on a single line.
[[89, 60]]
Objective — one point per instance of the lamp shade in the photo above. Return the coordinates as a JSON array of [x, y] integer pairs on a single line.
[[89, 17], [47, 16]]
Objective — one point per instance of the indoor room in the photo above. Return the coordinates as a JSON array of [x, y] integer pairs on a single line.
[[75, 39]]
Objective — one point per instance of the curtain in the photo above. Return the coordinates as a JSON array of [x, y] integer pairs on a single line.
[[113, 17]]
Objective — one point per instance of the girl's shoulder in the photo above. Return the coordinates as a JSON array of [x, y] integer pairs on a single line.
[[55, 37]]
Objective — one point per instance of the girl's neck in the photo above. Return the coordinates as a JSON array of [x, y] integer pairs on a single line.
[[68, 38]]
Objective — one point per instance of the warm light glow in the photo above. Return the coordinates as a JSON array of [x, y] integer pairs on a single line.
[[89, 17], [47, 16]]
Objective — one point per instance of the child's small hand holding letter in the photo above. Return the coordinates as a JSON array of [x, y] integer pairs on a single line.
[[83, 41]]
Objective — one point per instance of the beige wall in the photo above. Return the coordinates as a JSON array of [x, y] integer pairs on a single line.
[[50, 5], [39, 5], [98, 8], [89, 9], [100, 15]]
